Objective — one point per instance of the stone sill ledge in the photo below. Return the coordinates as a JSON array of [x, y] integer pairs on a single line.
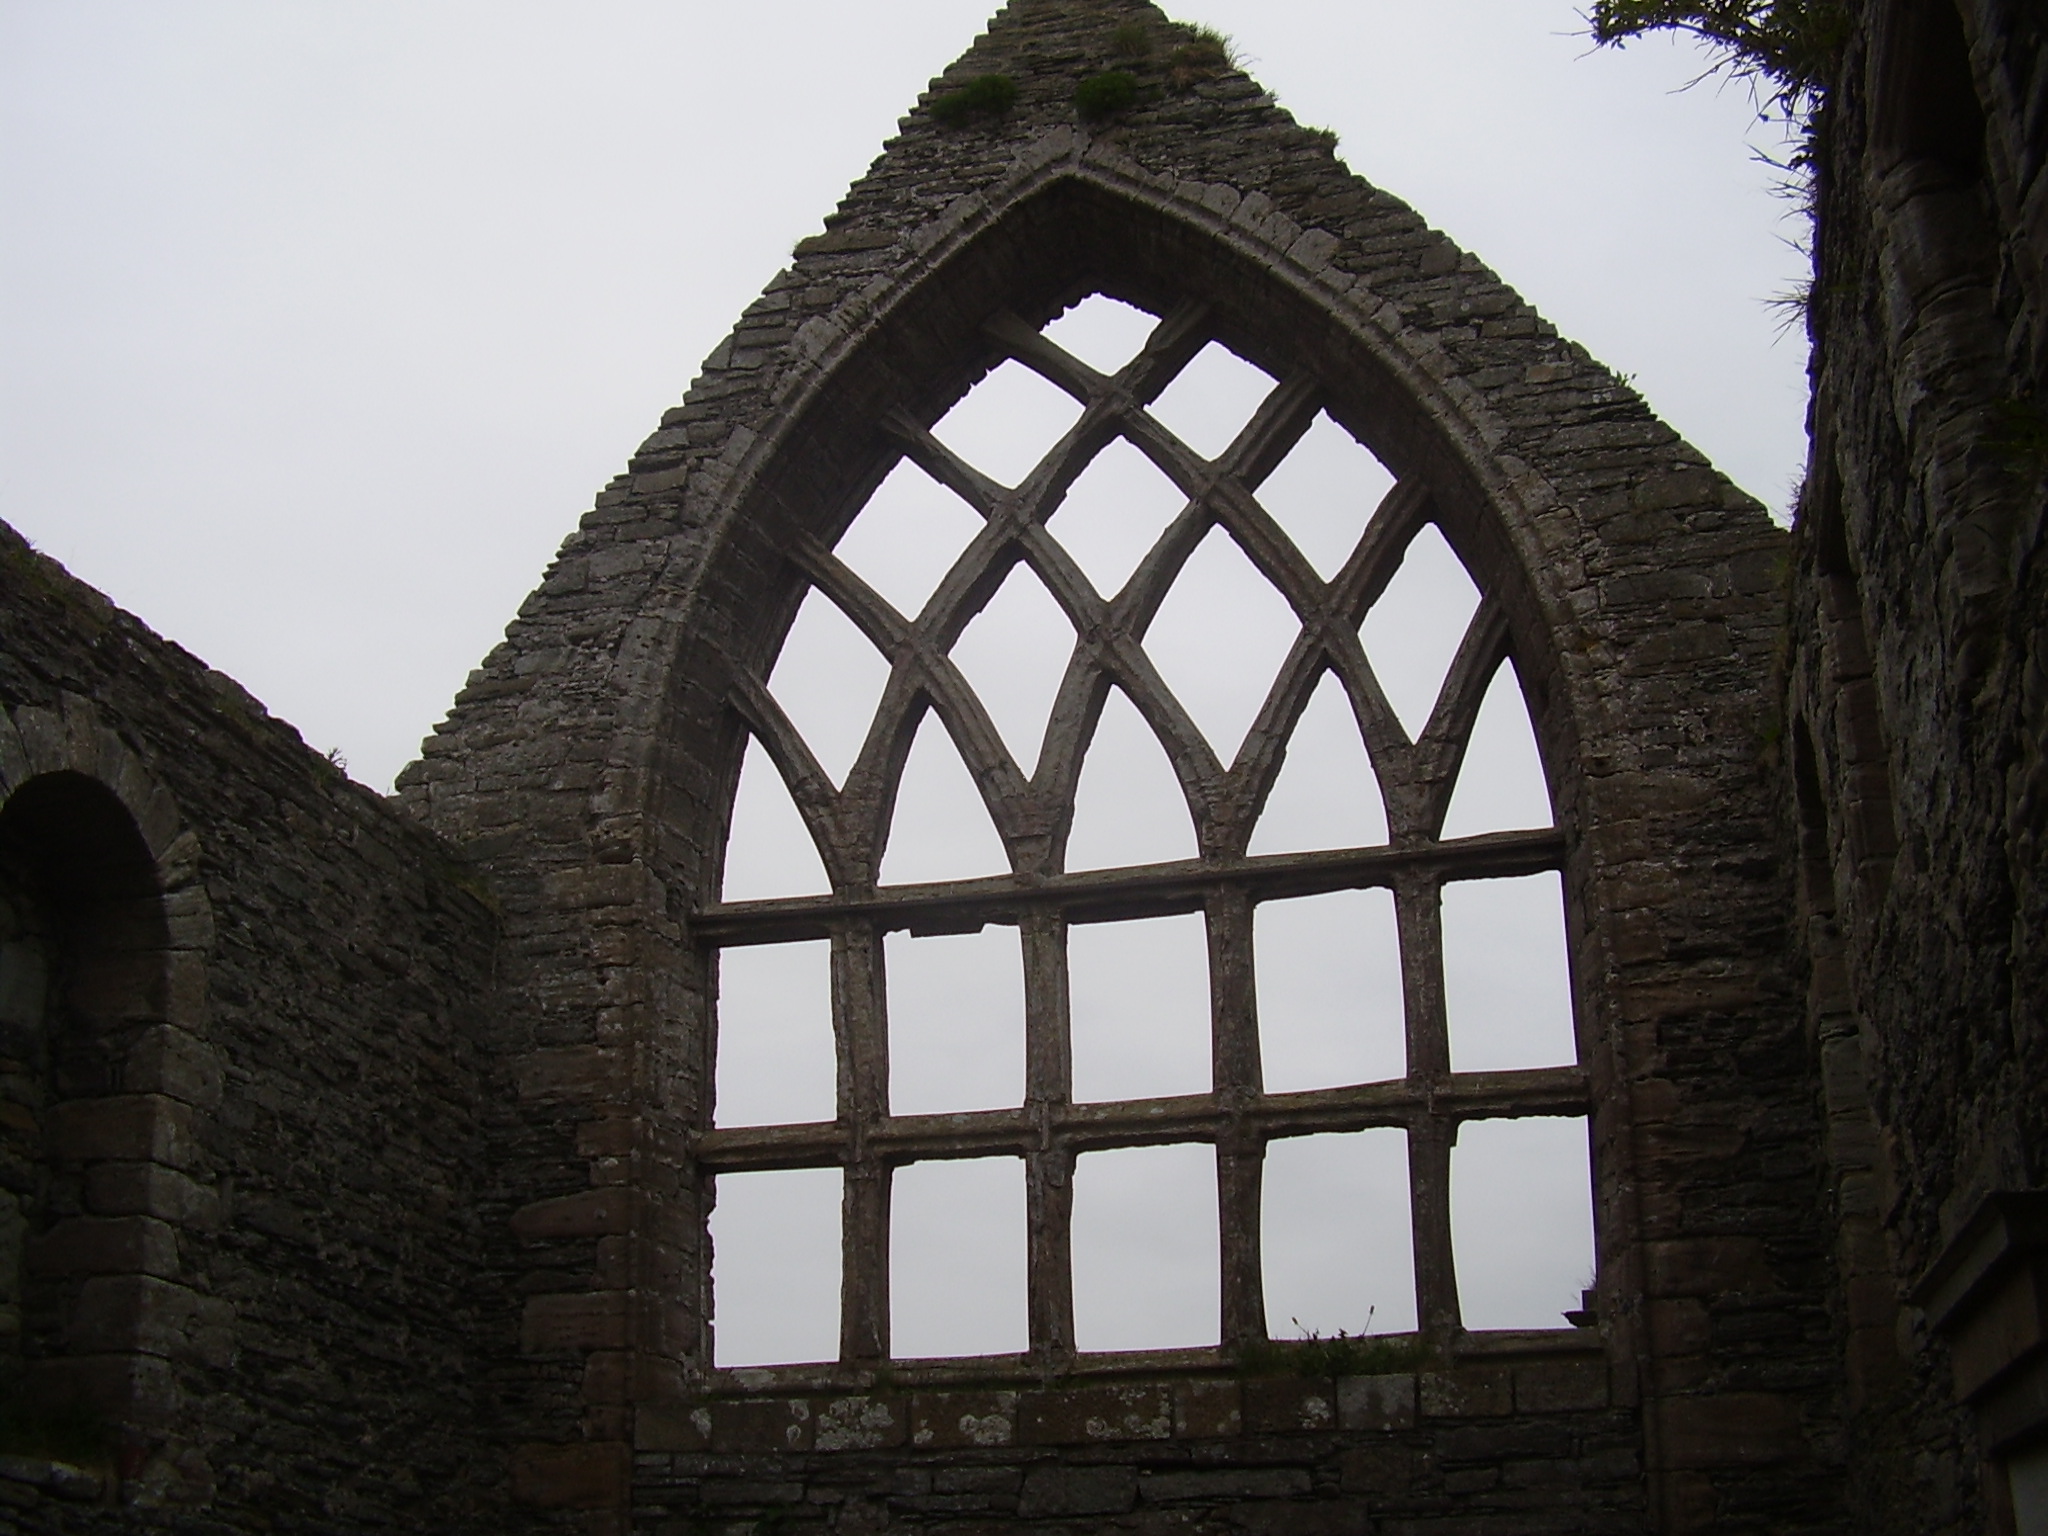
[[1018, 1371], [1156, 1396]]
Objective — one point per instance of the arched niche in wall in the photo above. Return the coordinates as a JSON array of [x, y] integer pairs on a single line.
[[884, 402], [106, 1082]]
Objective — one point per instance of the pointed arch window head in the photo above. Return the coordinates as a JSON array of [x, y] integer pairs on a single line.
[[1145, 759]]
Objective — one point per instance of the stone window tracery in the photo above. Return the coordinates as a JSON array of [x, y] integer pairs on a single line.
[[1155, 693]]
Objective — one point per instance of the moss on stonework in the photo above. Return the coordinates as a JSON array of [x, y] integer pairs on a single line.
[[983, 96], [1106, 94]]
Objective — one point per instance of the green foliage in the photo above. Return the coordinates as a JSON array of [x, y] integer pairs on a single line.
[[983, 96], [1344, 1354], [1206, 54], [1104, 95], [1132, 40], [1789, 46], [74, 1435]]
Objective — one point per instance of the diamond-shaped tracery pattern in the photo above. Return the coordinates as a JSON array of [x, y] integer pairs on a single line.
[[1031, 807]]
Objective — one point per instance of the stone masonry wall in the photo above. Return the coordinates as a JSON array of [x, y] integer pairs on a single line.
[[1920, 692], [309, 1220], [589, 764]]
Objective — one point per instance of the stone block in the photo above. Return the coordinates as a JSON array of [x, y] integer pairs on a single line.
[[1376, 1402], [106, 1245], [672, 1428], [150, 1189], [1729, 1429], [114, 1313], [135, 1127], [1224, 1484], [1058, 1490], [176, 1064], [606, 1376], [860, 1424], [572, 1476], [1080, 1415], [589, 1213], [586, 1074], [132, 1389], [1707, 1267], [1466, 1392], [573, 1320], [761, 1424], [1679, 1326], [1561, 1386], [1207, 1410], [1280, 1405], [947, 1420]]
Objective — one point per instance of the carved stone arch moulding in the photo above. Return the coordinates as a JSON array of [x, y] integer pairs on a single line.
[[106, 908]]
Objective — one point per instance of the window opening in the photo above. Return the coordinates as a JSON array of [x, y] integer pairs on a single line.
[[1008, 422], [941, 829], [1145, 1248], [1139, 1004], [1414, 629], [907, 537], [775, 1266], [769, 852], [1114, 513], [1336, 1243], [956, 1021], [1331, 1007], [1102, 332], [1326, 795], [1501, 785], [1521, 1221], [1325, 492], [1313, 1012], [1128, 808], [957, 1270], [1219, 640], [1211, 399], [776, 1058], [1507, 978], [1014, 655], [828, 680]]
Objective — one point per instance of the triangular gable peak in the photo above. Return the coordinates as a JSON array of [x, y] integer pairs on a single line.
[[591, 764]]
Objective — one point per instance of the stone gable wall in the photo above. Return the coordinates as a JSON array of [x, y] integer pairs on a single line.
[[588, 765]]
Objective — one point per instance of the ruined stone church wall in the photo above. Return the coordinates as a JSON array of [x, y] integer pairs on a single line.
[[588, 767], [1919, 706], [259, 1207]]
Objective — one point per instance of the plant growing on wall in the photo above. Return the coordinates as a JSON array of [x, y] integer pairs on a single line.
[[1789, 47], [983, 96]]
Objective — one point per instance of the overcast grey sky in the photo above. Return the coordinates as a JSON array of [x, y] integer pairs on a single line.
[[321, 323]]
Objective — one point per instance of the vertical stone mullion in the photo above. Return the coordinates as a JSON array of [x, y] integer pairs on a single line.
[[860, 1027], [1240, 1169], [1237, 1080], [1429, 1194], [1048, 1090], [1418, 906]]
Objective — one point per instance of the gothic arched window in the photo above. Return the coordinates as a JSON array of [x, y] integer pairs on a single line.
[[1141, 922]]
